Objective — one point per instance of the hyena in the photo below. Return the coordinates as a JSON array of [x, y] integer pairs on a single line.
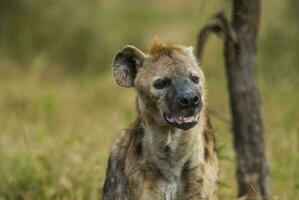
[[169, 150]]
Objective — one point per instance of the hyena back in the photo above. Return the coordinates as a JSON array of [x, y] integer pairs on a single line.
[[168, 153]]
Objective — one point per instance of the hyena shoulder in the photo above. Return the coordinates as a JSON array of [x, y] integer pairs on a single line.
[[123, 159], [116, 183]]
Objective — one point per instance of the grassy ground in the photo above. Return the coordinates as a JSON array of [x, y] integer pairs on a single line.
[[56, 133], [56, 128]]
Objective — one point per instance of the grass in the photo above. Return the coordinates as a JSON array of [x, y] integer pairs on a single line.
[[56, 128], [56, 133]]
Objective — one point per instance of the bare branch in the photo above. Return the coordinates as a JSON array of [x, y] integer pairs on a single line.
[[203, 36], [220, 27], [226, 27]]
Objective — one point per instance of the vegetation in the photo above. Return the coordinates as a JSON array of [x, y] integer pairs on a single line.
[[60, 108]]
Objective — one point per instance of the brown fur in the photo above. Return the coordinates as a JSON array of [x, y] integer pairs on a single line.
[[158, 48], [151, 160]]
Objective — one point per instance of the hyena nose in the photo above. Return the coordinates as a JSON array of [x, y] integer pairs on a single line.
[[189, 100]]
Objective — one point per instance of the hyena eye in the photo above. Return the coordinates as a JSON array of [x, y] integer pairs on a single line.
[[161, 83], [194, 79]]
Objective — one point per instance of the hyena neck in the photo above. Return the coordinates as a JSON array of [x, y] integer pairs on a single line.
[[168, 150]]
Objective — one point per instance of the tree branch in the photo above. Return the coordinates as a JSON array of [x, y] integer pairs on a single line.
[[220, 27], [203, 36]]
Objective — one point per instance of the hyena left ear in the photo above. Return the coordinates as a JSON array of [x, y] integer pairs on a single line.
[[126, 64]]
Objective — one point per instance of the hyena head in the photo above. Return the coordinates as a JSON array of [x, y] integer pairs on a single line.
[[168, 81]]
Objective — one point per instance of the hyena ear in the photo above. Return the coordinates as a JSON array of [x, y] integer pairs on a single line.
[[126, 64], [190, 50]]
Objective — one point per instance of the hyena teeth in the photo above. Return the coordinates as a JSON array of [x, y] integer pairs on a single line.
[[189, 119], [181, 119], [178, 120]]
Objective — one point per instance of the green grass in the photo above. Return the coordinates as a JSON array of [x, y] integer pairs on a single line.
[[56, 128]]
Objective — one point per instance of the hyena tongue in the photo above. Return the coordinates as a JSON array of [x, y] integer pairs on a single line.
[[170, 119]]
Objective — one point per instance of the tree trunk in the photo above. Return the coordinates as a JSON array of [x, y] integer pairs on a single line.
[[252, 169], [240, 61]]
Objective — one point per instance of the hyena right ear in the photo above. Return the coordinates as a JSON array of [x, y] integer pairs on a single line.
[[126, 64]]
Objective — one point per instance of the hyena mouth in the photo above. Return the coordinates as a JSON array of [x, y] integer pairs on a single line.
[[181, 122]]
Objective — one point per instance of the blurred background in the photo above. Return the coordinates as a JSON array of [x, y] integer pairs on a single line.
[[60, 108]]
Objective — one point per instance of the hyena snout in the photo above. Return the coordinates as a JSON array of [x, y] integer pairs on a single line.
[[184, 99], [189, 100], [185, 105]]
